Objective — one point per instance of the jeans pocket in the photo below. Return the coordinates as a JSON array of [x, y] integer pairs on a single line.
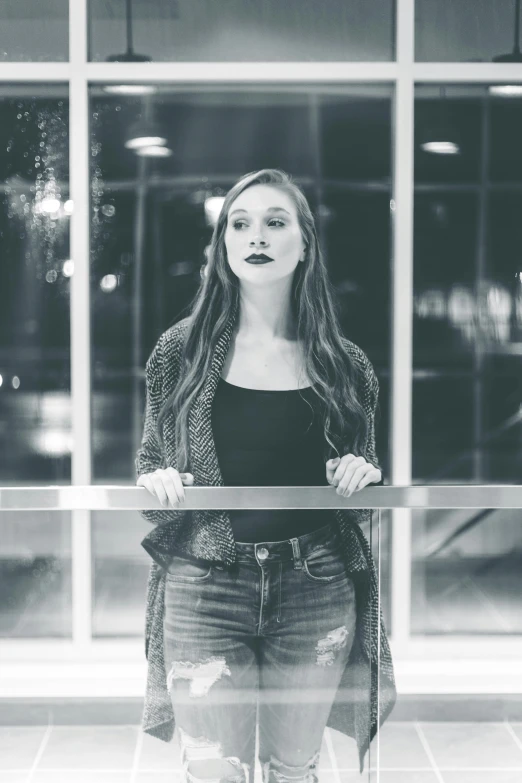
[[325, 565], [187, 569]]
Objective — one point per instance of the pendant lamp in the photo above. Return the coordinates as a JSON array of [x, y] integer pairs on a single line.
[[144, 133], [439, 136], [130, 55]]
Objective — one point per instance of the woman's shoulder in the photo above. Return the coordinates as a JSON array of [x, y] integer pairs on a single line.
[[168, 346], [175, 334], [357, 354], [172, 338], [370, 380]]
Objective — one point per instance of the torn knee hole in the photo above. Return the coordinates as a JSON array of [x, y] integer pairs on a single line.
[[198, 748], [201, 675], [326, 648], [284, 773], [203, 760]]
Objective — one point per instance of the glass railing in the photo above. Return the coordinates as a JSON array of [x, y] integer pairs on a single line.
[[72, 570], [118, 497]]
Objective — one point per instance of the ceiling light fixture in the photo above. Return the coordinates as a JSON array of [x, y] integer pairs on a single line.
[[506, 90], [440, 136], [510, 90], [130, 89], [130, 55], [144, 133], [154, 151]]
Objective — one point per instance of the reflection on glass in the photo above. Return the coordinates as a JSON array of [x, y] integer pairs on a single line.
[[468, 295], [33, 31], [35, 574], [34, 295], [206, 31], [466, 566], [467, 387], [464, 31]]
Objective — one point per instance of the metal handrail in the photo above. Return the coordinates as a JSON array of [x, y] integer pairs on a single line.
[[125, 497]]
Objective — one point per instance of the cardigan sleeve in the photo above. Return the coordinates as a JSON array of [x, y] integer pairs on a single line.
[[150, 455], [372, 394]]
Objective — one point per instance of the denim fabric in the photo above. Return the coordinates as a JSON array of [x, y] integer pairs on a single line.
[[264, 640]]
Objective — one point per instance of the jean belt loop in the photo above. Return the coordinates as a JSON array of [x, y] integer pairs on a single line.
[[296, 551]]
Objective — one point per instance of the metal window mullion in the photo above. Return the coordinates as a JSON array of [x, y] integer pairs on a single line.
[[80, 320], [402, 323], [474, 73], [209, 73], [33, 72]]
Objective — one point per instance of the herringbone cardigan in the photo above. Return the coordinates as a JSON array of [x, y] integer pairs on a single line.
[[366, 694]]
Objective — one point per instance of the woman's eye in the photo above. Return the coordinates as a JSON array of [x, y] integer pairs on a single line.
[[239, 223]]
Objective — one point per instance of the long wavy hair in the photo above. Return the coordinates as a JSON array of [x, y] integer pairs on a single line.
[[332, 374]]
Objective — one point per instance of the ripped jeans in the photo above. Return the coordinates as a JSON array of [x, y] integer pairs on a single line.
[[263, 641]]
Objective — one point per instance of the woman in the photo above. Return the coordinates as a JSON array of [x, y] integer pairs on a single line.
[[259, 387]]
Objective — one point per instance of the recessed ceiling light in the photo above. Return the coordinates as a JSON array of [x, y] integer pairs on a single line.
[[145, 133], [506, 90], [441, 147], [130, 89], [153, 151], [145, 141]]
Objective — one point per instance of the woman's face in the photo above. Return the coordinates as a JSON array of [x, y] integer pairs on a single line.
[[263, 220]]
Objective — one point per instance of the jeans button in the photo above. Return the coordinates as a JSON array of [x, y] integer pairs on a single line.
[[262, 553]]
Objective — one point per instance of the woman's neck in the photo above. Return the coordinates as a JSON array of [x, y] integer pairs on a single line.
[[265, 314]]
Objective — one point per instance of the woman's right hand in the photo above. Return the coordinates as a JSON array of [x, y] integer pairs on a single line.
[[166, 485]]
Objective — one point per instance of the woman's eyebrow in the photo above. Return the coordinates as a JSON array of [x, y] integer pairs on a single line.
[[270, 209]]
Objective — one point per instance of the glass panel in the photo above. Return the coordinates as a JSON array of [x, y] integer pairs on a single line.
[[467, 343], [150, 229], [34, 296], [120, 567], [34, 31], [466, 566], [35, 550], [505, 154], [35, 574], [205, 31], [451, 116], [464, 30], [118, 614]]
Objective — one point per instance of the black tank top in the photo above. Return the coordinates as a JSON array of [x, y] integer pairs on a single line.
[[270, 438]]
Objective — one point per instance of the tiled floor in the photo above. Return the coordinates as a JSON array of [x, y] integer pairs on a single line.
[[441, 752]]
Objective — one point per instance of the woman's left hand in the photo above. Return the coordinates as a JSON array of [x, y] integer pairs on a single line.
[[350, 474]]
